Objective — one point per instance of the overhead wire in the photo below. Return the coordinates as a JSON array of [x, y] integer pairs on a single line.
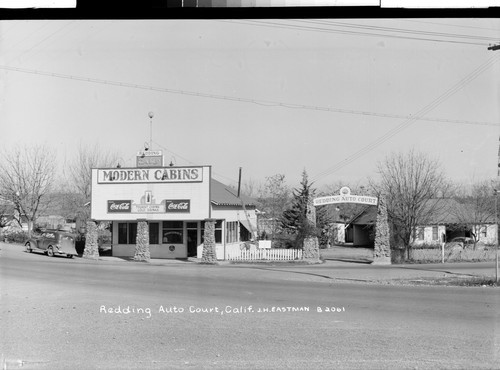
[[191, 162], [398, 30], [408, 120], [448, 25], [429, 107], [268, 103], [42, 40], [275, 24]]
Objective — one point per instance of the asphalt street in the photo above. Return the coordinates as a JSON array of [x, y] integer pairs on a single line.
[[59, 313]]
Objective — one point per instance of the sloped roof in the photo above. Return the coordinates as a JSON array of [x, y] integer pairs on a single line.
[[367, 217], [222, 195], [451, 211], [444, 211]]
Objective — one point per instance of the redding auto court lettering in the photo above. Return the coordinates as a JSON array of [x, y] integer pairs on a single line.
[[345, 196], [168, 174]]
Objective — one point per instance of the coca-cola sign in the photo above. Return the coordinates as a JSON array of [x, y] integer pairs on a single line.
[[177, 205], [119, 206]]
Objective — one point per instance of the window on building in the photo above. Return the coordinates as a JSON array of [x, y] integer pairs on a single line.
[[154, 231], [122, 233], [173, 232], [232, 232], [127, 232], [191, 225], [132, 232], [434, 233], [245, 234], [420, 233], [218, 231], [484, 232]]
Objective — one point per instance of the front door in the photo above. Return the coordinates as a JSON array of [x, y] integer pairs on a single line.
[[192, 244]]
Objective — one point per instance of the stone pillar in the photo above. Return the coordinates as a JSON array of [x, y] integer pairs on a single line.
[[382, 250], [91, 250], [310, 250], [209, 254], [142, 242]]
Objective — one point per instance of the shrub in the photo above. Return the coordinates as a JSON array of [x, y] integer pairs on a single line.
[[398, 255], [283, 241], [14, 236], [452, 254], [426, 246]]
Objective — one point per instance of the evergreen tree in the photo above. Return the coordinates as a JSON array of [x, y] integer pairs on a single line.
[[294, 220]]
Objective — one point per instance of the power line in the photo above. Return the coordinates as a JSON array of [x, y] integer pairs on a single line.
[[448, 25], [389, 134], [194, 164], [41, 41], [400, 30], [268, 103], [332, 30]]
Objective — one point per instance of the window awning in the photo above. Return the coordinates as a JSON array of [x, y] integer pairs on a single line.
[[246, 225]]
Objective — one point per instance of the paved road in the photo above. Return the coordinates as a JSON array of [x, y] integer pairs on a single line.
[[55, 314]]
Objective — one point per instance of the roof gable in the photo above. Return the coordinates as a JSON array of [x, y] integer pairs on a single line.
[[222, 195]]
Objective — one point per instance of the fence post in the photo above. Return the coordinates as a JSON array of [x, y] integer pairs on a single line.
[[442, 252]]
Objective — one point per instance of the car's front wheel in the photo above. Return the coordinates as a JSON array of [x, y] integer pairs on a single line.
[[28, 247], [50, 252]]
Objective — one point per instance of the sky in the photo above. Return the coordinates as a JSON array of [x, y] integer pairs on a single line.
[[333, 97]]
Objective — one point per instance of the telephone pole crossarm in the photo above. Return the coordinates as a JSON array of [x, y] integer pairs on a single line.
[[494, 47]]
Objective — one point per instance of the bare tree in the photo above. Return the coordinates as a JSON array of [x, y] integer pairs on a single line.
[[26, 178], [274, 198], [474, 207], [6, 208], [250, 188], [408, 181], [80, 175]]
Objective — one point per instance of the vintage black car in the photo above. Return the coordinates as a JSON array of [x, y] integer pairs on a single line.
[[52, 243]]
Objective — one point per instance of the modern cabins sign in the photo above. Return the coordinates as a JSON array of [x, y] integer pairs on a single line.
[[149, 175], [345, 196]]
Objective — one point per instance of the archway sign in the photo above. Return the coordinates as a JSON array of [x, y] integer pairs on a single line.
[[345, 196]]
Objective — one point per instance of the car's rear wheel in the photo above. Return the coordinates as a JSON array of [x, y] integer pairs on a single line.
[[28, 247], [50, 252]]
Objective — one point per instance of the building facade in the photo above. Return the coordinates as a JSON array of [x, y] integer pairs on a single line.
[[175, 201]]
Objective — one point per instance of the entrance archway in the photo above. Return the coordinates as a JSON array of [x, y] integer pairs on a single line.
[[381, 252]]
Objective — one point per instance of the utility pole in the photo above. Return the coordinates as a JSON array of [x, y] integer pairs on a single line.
[[495, 192], [151, 115]]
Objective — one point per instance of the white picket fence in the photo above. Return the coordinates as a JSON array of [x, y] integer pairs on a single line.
[[264, 254]]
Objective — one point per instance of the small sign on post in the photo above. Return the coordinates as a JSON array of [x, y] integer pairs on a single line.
[[150, 158]]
